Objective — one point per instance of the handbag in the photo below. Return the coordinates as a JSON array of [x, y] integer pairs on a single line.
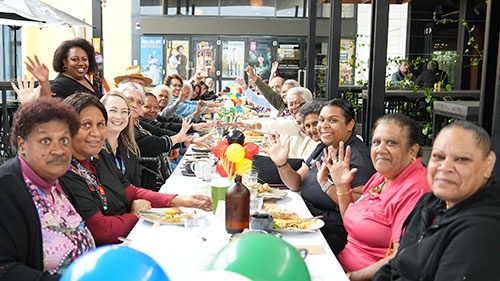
[[267, 170]]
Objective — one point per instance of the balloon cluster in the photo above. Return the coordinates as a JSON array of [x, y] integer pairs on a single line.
[[235, 155], [235, 100]]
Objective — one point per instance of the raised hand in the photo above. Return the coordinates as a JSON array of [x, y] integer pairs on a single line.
[[340, 171], [277, 151], [202, 140], [241, 82], [26, 90], [274, 69], [182, 135], [322, 175], [38, 69], [251, 73]]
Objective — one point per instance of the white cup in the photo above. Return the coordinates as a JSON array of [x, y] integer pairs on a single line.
[[203, 169]]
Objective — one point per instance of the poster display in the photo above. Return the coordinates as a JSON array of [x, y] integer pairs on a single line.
[[205, 58], [346, 71], [233, 59], [151, 61], [260, 57], [178, 58]]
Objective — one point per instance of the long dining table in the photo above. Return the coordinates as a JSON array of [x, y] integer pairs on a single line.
[[321, 262]]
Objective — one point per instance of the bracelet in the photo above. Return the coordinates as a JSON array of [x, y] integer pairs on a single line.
[[327, 185], [282, 166], [344, 193]]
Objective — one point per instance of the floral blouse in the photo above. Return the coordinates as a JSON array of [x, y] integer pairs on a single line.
[[64, 234]]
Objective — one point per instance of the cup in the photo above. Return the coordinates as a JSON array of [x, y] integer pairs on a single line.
[[262, 221], [194, 222], [202, 168], [219, 187], [256, 203]]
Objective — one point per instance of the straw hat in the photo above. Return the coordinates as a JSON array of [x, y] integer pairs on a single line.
[[133, 71]]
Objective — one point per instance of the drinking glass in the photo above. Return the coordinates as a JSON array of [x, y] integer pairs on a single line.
[[256, 203]]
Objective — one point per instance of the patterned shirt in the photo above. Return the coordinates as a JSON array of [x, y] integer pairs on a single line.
[[64, 234]]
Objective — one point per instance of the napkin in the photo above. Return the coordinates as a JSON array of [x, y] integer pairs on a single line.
[[311, 249]]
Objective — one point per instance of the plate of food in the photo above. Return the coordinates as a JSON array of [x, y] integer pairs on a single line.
[[201, 148], [268, 192], [168, 216], [286, 221]]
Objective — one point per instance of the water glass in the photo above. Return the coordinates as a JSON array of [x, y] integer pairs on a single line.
[[194, 222], [256, 203]]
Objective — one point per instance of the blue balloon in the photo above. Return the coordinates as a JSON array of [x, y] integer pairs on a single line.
[[238, 109], [114, 262]]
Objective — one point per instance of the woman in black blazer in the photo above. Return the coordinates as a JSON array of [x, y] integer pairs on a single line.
[[120, 142]]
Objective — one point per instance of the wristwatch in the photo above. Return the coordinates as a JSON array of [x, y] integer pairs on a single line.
[[328, 183]]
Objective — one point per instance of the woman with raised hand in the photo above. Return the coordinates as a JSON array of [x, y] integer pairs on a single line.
[[374, 221], [74, 60], [101, 194], [335, 125], [40, 231], [452, 233]]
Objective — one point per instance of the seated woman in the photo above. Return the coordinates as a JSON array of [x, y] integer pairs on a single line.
[[40, 231], [101, 194], [452, 233], [166, 112], [336, 124], [120, 142], [374, 221], [309, 115]]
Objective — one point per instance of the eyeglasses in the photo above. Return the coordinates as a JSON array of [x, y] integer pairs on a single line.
[[176, 85], [132, 100], [123, 112]]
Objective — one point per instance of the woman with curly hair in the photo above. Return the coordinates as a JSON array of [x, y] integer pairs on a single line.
[[40, 231], [74, 59]]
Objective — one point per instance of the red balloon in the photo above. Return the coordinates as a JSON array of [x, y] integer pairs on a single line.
[[219, 148], [250, 150], [221, 171]]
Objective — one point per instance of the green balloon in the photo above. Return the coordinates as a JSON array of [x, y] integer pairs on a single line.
[[262, 257]]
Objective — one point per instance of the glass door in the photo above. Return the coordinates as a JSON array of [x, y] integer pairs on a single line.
[[290, 57]]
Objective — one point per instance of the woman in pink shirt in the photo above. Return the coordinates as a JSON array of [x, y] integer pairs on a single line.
[[374, 221]]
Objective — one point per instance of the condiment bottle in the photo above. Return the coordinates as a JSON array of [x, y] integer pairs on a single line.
[[237, 207]]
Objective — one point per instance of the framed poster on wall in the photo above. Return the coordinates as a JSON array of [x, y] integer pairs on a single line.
[[152, 58], [178, 57]]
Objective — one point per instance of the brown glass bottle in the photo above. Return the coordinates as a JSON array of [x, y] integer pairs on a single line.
[[237, 207]]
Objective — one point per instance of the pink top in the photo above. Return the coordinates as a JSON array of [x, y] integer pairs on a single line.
[[64, 234], [374, 219]]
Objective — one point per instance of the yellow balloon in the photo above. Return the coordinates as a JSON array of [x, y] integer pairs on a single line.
[[244, 166], [235, 152]]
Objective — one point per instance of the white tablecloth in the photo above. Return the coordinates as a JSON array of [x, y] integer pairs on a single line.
[[323, 267]]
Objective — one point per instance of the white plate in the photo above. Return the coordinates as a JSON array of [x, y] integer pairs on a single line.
[[274, 193], [154, 215], [317, 225]]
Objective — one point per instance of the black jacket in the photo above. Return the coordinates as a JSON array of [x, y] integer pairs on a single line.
[[63, 87], [428, 78], [88, 203], [133, 169], [461, 244], [21, 253]]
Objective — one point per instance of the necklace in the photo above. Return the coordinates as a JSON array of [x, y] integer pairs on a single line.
[[92, 181], [378, 189]]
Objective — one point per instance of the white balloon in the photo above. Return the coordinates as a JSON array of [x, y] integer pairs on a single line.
[[218, 276], [179, 252], [228, 104]]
